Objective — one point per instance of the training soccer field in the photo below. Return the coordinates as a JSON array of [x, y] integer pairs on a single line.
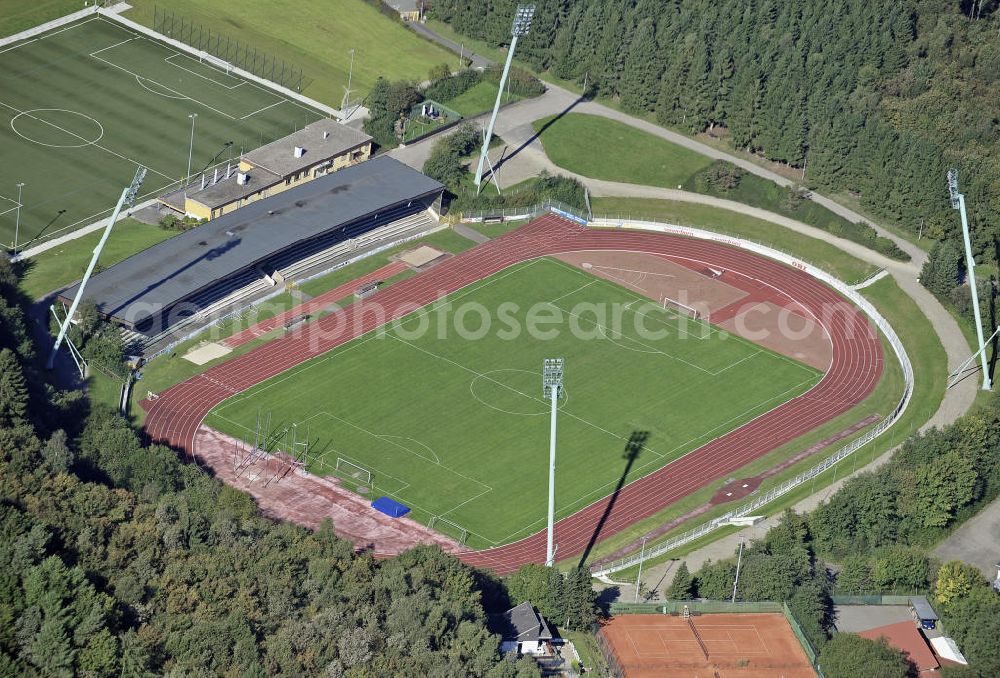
[[457, 428], [83, 105]]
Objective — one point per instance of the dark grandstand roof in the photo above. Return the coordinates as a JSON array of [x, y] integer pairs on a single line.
[[177, 268]]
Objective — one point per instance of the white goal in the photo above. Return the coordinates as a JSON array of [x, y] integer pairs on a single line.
[[674, 305], [448, 528], [351, 470], [221, 64]]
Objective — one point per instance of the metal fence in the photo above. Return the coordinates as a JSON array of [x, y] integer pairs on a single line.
[[696, 607], [222, 46], [800, 635], [872, 600], [528, 212]]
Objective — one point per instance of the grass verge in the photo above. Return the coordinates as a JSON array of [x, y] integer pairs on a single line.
[[16, 16], [58, 267], [828, 257], [615, 151]]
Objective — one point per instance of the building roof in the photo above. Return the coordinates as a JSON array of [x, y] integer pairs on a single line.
[[946, 648], [404, 5], [907, 637], [922, 607], [321, 140], [521, 623], [150, 282], [226, 191]]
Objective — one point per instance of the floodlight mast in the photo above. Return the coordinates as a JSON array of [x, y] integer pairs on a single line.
[[552, 388], [127, 197], [958, 203], [520, 26]]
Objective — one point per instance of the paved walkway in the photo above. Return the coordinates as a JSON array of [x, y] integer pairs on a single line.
[[977, 542], [470, 233]]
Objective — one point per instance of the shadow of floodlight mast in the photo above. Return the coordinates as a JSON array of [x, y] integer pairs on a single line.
[[633, 447]]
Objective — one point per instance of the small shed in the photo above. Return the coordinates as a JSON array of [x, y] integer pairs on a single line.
[[390, 507], [522, 629], [923, 612]]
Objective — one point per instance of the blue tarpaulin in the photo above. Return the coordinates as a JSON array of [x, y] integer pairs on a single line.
[[390, 507]]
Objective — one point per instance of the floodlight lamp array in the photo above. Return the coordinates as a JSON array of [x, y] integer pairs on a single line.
[[953, 188], [522, 20], [133, 189], [552, 376]]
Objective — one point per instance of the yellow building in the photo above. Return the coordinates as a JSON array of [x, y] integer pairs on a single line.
[[409, 10], [319, 148]]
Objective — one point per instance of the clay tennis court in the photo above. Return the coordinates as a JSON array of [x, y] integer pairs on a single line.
[[746, 645]]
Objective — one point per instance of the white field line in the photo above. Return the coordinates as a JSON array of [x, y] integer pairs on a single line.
[[86, 141], [261, 110], [104, 49], [160, 84], [22, 44], [649, 349]]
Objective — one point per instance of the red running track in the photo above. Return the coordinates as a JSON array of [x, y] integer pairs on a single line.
[[175, 416]]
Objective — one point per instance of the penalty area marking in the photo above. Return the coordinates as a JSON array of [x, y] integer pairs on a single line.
[[139, 79]]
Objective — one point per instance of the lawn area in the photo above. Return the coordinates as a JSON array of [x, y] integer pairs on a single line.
[[16, 16], [828, 257], [607, 149], [315, 35], [478, 99], [430, 433], [66, 263], [83, 106]]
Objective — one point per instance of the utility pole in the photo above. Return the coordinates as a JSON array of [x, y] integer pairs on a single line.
[[17, 217], [187, 177], [522, 22], [958, 203], [552, 388], [128, 197], [739, 562], [638, 577]]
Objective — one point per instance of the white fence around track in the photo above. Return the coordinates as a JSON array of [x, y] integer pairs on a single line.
[[761, 500]]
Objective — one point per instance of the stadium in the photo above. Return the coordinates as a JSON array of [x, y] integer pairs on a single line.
[[365, 388], [694, 363]]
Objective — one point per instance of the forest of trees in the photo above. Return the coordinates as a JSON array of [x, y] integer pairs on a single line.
[[117, 559], [873, 97]]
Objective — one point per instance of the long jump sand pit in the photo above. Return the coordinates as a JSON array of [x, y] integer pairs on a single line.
[[752, 645]]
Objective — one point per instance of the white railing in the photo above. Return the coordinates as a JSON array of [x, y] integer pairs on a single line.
[[750, 507]]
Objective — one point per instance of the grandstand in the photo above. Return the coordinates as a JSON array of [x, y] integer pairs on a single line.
[[187, 282]]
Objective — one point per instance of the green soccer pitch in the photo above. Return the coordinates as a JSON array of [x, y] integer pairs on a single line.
[[83, 105], [457, 428]]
